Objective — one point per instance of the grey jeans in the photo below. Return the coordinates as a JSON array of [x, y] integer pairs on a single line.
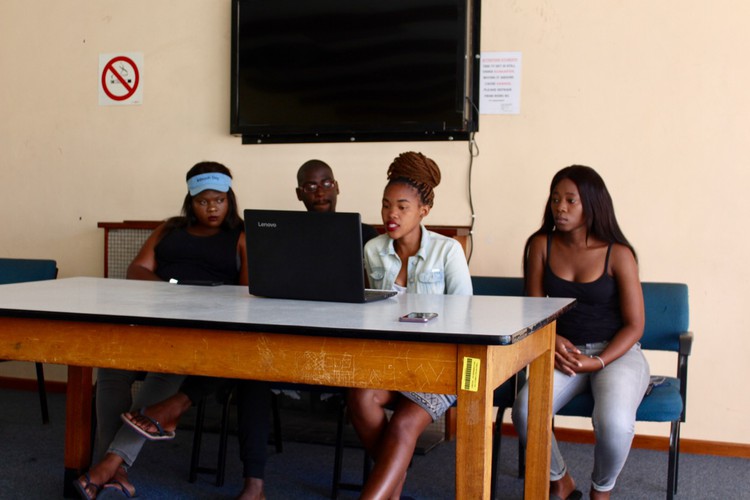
[[113, 397], [617, 390]]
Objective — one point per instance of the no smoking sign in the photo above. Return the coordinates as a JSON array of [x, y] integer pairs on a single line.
[[120, 79]]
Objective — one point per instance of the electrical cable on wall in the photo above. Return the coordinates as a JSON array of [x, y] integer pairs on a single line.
[[473, 151]]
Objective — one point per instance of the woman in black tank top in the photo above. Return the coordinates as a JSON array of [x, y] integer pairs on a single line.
[[581, 252], [205, 244], [185, 247]]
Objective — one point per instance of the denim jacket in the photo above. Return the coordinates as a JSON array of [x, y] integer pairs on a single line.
[[439, 266]]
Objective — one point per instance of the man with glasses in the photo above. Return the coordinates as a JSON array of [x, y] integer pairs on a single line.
[[318, 190]]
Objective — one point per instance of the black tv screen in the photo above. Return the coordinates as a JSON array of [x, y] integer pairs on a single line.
[[354, 70]]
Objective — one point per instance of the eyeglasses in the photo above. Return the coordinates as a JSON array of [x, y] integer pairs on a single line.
[[311, 187]]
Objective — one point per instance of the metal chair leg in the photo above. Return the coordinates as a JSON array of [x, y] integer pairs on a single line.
[[42, 392], [496, 442], [195, 456], [674, 446], [339, 455], [223, 437], [276, 412]]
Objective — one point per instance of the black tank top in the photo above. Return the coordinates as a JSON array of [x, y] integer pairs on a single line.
[[182, 256], [596, 316]]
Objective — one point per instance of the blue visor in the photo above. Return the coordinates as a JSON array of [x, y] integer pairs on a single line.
[[212, 180]]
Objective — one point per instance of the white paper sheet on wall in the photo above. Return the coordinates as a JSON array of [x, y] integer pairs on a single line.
[[500, 83]]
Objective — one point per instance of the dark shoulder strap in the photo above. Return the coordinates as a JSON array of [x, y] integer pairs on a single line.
[[606, 261]]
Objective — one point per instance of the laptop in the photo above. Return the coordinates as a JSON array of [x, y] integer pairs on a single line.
[[307, 256]]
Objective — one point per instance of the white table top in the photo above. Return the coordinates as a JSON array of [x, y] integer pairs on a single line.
[[470, 320]]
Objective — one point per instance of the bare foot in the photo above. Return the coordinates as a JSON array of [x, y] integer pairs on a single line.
[[562, 487], [598, 495], [252, 489], [159, 421]]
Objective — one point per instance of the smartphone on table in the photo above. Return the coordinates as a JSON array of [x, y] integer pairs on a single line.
[[418, 317]]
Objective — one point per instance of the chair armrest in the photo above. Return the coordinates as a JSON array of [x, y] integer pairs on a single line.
[[686, 343]]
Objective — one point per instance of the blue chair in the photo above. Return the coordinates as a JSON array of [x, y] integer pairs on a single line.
[[23, 270], [505, 395], [667, 320], [502, 286]]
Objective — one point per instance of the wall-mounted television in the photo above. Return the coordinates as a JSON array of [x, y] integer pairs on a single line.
[[354, 70]]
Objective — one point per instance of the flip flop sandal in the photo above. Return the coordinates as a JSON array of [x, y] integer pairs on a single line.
[[160, 435], [81, 487], [115, 489]]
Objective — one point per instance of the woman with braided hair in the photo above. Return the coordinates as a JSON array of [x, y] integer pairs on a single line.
[[408, 259]]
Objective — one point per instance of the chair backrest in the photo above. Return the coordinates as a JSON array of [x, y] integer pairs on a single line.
[[491, 285], [21, 270], [667, 315]]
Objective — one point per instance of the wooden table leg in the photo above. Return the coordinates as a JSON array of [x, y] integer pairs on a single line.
[[77, 426], [538, 446], [474, 429]]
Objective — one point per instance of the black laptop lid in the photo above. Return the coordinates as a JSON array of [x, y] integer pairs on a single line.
[[305, 255]]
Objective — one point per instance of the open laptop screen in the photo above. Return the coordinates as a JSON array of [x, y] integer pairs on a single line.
[[305, 255]]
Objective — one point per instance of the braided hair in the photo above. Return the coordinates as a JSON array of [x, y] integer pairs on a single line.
[[417, 171]]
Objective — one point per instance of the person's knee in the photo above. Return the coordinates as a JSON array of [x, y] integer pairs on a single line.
[[613, 429], [362, 400], [407, 429], [354, 398], [113, 377]]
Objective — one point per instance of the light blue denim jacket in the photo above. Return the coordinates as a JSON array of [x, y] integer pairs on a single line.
[[439, 266]]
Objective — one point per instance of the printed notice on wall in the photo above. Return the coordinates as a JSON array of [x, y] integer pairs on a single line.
[[500, 83]]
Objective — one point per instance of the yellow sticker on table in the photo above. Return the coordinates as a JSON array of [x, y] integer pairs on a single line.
[[470, 374]]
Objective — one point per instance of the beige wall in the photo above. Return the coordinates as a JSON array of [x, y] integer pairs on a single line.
[[652, 94]]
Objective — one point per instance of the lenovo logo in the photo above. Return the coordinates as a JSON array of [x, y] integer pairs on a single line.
[[266, 224]]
